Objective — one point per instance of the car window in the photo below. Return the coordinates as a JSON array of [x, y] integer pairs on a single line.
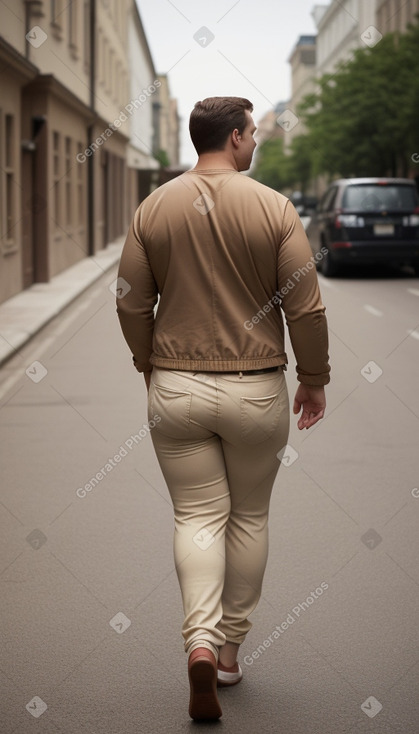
[[328, 199], [321, 202], [379, 197]]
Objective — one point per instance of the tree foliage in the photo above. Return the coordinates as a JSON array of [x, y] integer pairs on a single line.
[[271, 167], [162, 157], [283, 170]]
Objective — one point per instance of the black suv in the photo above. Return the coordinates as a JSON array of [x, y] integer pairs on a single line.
[[366, 220]]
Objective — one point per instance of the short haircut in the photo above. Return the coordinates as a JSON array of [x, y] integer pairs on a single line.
[[213, 119]]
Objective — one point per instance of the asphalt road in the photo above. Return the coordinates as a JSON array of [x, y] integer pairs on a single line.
[[89, 599]]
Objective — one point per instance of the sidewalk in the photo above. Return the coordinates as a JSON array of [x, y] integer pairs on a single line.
[[26, 313]]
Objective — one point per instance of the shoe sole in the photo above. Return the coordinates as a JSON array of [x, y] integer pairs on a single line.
[[224, 678], [223, 683], [203, 681]]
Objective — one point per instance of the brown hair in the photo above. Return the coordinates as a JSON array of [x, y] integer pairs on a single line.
[[213, 119]]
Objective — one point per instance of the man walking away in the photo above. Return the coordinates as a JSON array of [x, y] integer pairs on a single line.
[[228, 258]]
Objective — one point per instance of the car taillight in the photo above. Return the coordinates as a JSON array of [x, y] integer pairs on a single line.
[[338, 223], [339, 245], [412, 220]]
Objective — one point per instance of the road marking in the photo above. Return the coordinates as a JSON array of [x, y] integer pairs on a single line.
[[413, 291], [414, 333], [372, 310]]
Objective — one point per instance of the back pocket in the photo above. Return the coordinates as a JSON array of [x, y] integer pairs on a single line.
[[173, 408], [259, 417]]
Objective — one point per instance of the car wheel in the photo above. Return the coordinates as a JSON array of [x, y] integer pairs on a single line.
[[328, 267]]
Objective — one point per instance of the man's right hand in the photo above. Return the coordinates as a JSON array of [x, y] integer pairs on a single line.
[[313, 402], [147, 378]]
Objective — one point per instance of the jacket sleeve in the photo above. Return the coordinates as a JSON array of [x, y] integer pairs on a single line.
[[136, 296], [301, 302]]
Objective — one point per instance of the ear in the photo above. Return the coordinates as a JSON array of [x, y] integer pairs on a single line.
[[236, 138]]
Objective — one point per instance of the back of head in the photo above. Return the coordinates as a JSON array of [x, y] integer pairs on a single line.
[[213, 119]]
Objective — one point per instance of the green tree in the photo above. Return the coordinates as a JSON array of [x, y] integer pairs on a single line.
[[300, 163], [271, 166], [163, 159]]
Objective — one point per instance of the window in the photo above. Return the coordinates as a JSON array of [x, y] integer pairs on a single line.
[[8, 157], [56, 177], [99, 55], [408, 9], [86, 35], [56, 8], [109, 79], [9, 140], [118, 80], [68, 192], [123, 91], [393, 11], [106, 58], [80, 189], [72, 28], [380, 197], [328, 199]]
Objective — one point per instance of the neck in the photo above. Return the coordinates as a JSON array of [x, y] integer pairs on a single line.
[[216, 160]]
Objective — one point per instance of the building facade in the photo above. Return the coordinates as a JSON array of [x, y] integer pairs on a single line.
[[303, 70], [393, 15], [340, 27], [78, 123]]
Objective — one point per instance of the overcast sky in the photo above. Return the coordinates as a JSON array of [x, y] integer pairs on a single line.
[[244, 51]]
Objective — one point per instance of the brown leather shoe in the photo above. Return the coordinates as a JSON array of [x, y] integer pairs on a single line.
[[202, 672]]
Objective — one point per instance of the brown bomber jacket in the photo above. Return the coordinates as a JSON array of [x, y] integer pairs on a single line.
[[227, 256]]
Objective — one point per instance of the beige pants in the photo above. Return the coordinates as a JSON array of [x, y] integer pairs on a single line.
[[217, 442]]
